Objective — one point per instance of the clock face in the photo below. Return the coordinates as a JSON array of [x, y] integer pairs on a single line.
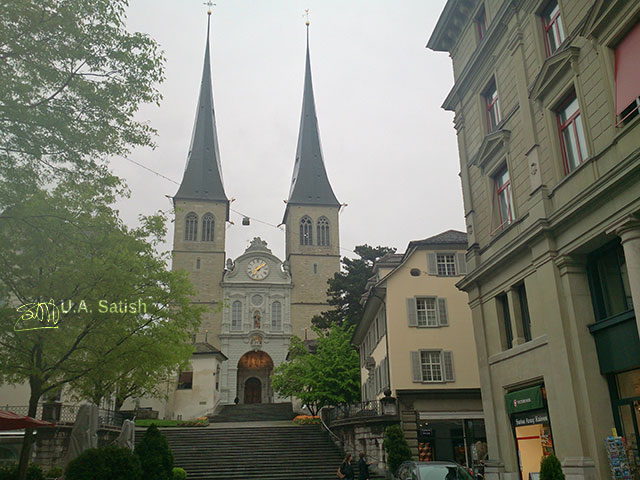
[[258, 269]]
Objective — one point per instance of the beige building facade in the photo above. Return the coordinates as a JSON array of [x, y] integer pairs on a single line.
[[546, 99], [416, 342]]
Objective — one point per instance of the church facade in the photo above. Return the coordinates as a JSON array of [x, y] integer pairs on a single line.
[[256, 302]]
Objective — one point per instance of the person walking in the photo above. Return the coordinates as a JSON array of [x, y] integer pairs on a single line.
[[363, 467], [345, 470]]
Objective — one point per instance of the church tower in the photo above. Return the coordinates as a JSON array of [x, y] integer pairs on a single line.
[[201, 210], [311, 219]]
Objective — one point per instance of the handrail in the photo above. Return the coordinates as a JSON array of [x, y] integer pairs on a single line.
[[326, 427]]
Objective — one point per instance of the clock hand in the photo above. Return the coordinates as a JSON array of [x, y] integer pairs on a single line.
[[255, 270]]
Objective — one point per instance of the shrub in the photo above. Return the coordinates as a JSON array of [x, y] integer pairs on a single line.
[[396, 447], [550, 468], [10, 472], [108, 463], [155, 456], [54, 472], [306, 420], [179, 474]]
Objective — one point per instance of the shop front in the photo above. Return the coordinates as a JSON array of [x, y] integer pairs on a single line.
[[529, 416], [625, 398]]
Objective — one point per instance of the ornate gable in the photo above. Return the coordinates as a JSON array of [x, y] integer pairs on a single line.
[[553, 69]]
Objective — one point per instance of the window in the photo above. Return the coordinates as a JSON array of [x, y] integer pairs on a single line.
[[306, 231], [191, 227], [503, 306], [185, 381], [502, 199], [574, 149], [432, 366], [426, 309], [236, 315], [323, 232], [553, 30], [218, 377], [197, 264], [207, 227], [627, 76], [524, 311], [276, 316], [446, 264], [492, 106], [481, 23], [609, 281]]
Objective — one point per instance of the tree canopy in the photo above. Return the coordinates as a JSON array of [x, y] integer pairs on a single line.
[[347, 287], [330, 376]]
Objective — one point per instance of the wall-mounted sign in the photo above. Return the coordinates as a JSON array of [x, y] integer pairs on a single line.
[[524, 400]]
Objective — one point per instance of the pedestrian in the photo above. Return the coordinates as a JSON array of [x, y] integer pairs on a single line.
[[363, 467], [345, 470]]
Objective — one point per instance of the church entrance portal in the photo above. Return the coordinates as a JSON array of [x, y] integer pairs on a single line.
[[253, 391], [254, 378]]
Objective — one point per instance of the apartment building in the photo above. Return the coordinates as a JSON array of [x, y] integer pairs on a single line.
[[546, 99], [415, 340]]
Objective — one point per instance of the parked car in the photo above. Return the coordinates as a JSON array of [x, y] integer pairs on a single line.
[[432, 471]]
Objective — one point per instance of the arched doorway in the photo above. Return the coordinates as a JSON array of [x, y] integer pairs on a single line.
[[253, 390], [254, 382]]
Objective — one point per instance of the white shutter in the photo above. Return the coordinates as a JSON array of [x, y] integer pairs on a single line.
[[449, 376], [432, 267], [412, 313], [416, 366], [443, 315], [461, 264]]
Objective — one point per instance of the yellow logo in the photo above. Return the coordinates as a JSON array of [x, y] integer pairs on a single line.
[[37, 316]]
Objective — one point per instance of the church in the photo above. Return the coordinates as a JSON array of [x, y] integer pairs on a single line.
[[256, 302]]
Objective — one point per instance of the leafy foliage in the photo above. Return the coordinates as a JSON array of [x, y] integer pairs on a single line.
[[54, 472], [347, 287], [108, 463], [10, 472], [330, 376], [179, 474], [155, 456], [550, 468], [71, 81], [396, 447]]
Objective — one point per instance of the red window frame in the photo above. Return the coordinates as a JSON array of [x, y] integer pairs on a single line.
[[499, 190], [492, 102], [548, 24], [569, 123], [481, 23]]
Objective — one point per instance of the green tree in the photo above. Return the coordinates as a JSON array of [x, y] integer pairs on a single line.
[[71, 81], [155, 456], [347, 287], [330, 376], [396, 447], [550, 468], [66, 248]]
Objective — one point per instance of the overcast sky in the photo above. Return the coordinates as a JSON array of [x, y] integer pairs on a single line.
[[389, 149]]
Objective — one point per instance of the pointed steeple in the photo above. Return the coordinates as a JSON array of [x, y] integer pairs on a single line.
[[202, 178], [310, 184]]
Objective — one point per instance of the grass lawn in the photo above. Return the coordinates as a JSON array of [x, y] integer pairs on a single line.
[[159, 423]]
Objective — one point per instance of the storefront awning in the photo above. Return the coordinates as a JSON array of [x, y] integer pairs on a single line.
[[524, 400]]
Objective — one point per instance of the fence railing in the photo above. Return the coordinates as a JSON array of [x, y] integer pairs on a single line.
[[63, 413], [371, 408]]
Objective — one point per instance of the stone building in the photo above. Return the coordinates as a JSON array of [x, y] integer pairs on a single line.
[[415, 339], [546, 99]]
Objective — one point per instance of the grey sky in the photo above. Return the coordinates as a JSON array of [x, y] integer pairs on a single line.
[[389, 149]]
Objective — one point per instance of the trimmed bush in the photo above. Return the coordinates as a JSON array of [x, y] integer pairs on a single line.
[[108, 463], [550, 468], [10, 472], [155, 456], [179, 474], [396, 447], [54, 472]]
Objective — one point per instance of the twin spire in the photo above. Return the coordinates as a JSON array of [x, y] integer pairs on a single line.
[[202, 178]]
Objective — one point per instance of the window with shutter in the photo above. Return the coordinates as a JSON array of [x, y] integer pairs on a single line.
[[443, 316], [411, 312], [432, 268], [449, 375], [427, 313]]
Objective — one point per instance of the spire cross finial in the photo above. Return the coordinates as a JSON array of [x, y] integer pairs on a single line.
[[306, 14], [209, 4]]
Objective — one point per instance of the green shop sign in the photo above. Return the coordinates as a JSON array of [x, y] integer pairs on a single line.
[[523, 400]]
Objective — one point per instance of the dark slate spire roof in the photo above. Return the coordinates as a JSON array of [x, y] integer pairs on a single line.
[[202, 178], [310, 184]]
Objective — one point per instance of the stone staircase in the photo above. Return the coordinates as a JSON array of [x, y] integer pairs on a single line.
[[256, 412], [253, 452]]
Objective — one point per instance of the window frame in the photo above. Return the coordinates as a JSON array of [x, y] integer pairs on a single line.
[[496, 192], [440, 365], [323, 232], [208, 227], [492, 99], [453, 264], [571, 123], [551, 23], [306, 231], [426, 311], [276, 321], [233, 322], [481, 23], [191, 220], [182, 384]]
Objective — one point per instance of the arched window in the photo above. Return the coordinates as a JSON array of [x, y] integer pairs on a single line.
[[236, 315], [276, 316], [207, 227], [191, 227], [323, 232], [306, 231]]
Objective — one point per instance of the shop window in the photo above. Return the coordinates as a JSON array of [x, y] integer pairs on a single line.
[[502, 200], [492, 106], [572, 139], [524, 312], [609, 282], [481, 23], [185, 381], [627, 77], [553, 28], [503, 312]]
